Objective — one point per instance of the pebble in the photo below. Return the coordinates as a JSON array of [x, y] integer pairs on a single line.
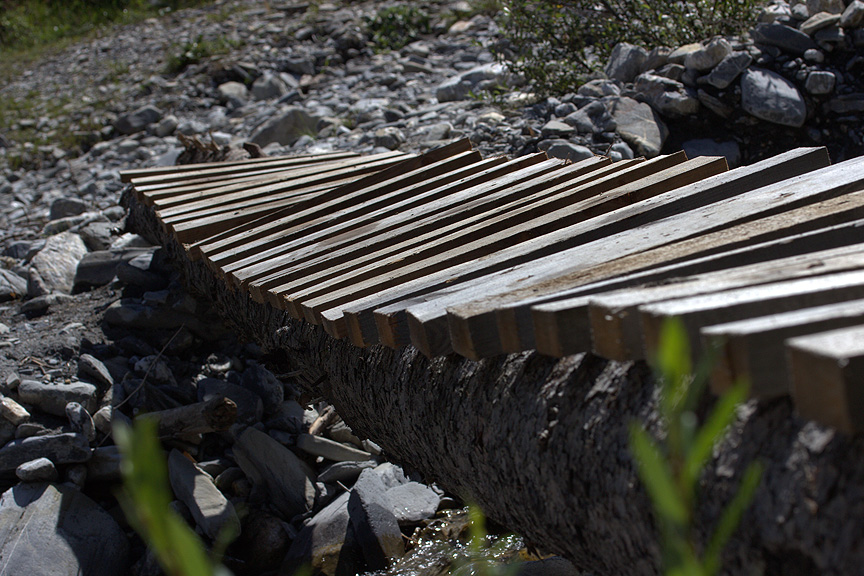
[[38, 470], [12, 411], [12, 285]]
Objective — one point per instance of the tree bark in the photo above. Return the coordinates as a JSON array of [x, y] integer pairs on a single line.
[[541, 444]]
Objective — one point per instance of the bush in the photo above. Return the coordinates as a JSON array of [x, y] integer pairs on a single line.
[[395, 26], [557, 45]]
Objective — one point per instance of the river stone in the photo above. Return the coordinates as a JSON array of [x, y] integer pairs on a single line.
[[413, 502], [389, 137], [233, 94], [95, 370], [264, 383], [249, 405], [818, 21], [104, 465], [286, 481], [330, 450], [846, 104], [212, 512], [820, 83], [80, 420], [11, 285], [625, 62], [556, 129], [598, 88], [666, 96], [374, 524], [38, 470], [708, 147], [830, 6], [565, 150], [59, 448], [166, 126], [640, 126], [592, 118], [783, 37], [269, 86], [52, 397], [138, 120], [728, 69], [99, 268], [709, 56], [53, 268], [680, 54], [12, 411], [327, 543], [769, 96], [56, 530], [853, 16], [345, 472], [65, 207], [287, 127], [288, 417]]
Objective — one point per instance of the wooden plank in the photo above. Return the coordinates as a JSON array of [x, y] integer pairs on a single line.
[[391, 198], [554, 273], [826, 372], [451, 208], [562, 326], [614, 317], [278, 220], [504, 230], [754, 348], [182, 171]]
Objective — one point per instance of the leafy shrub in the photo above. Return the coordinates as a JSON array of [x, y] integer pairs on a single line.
[[393, 27], [555, 45], [178, 57]]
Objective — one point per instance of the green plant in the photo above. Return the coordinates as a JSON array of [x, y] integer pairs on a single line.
[[557, 45], [393, 27], [483, 553], [146, 501], [670, 472], [179, 57]]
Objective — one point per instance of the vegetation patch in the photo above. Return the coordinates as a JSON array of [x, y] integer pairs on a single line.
[[393, 27]]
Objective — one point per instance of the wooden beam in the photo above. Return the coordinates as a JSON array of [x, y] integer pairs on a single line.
[[827, 377], [753, 349]]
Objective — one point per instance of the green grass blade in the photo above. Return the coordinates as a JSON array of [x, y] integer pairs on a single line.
[[731, 517], [657, 478]]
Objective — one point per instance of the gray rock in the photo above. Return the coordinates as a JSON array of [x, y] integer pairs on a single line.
[[565, 150], [678, 55], [41, 304], [212, 512], [102, 419], [11, 285], [52, 397], [389, 137], [59, 448], [853, 16], [155, 369], [439, 131], [137, 271], [460, 86], [53, 268], [299, 65], [250, 408], [345, 472], [625, 62], [233, 94], [327, 543], [104, 465], [12, 411], [286, 127], [329, 449], [166, 126], [708, 147], [413, 502], [288, 417], [138, 120], [592, 118], [820, 83], [7, 431], [598, 88], [65, 207], [374, 524], [557, 129], [769, 96], [38, 470], [80, 420], [667, 96], [269, 86], [264, 383], [52, 529], [714, 104], [264, 541], [285, 480], [818, 21], [709, 56], [95, 370], [799, 12], [391, 474], [846, 104], [830, 6], [99, 268], [639, 126], [657, 58], [784, 37], [621, 151], [98, 235], [728, 69], [829, 38]]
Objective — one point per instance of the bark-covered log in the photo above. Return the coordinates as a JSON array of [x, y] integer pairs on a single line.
[[541, 444]]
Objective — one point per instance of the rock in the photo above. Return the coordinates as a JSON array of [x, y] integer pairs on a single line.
[[40, 304], [846, 104], [374, 524], [639, 126], [555, 566], [286, 481], [625, 62], [100, 267], [288, 417], [212, 512], [783, 37], [389, 137], [598, 88], [621, 151], [345, 472], [439, 131], [11, 285], [769, 96], [327, 543], [38, 470], [556, 129], [820, 83], [138, 120], [666, 96], [657, 58], [12, 411], [59, 448], [818, 21], [413, 502], [714, 104], [52, 397], [269, 86], [592, 118], [53, 268], [80, 420], [233, 94], [830, 6], [52, 529], [98, 235], [286, 128], [708, 57], [7, 431], [166, 126], [679, 55], [391, 474], [330, 450], [728, 69], [65, 207], [250, 408], [264, 541], [102, 419], [95, 370], [708, 147], [264, 383], [853, 16], [460, 86], [104, 465], [565, 150]]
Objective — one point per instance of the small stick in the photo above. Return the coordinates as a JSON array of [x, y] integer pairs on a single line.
[[214, 415], [327, 416]]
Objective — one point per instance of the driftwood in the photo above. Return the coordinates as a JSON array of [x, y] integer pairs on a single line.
[[541, 444], [214, 415]]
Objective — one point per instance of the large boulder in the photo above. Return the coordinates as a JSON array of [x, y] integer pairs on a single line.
[[286, 127], [53, 268], [769, 96], [640, 126]]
